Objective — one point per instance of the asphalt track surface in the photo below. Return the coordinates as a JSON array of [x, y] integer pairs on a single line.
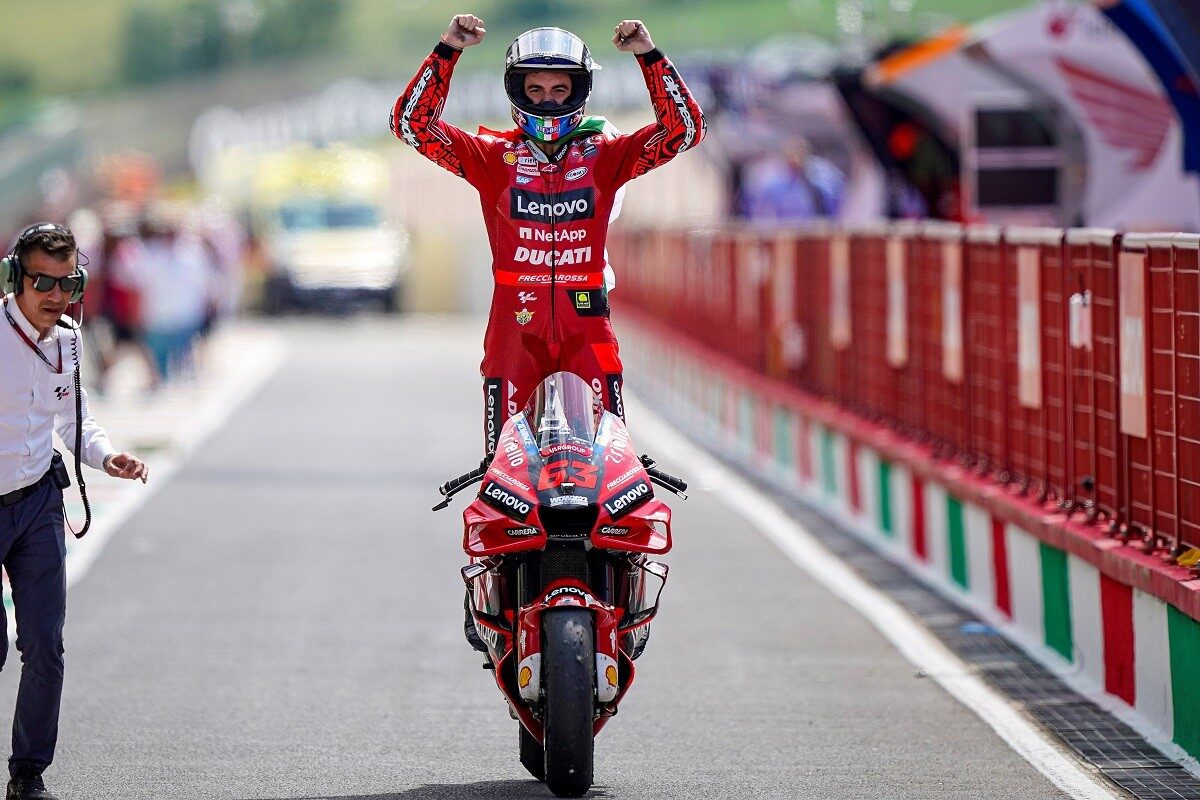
[[284, 621]]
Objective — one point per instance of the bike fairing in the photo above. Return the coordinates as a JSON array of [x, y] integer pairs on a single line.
[[518, 519], [547, 219]]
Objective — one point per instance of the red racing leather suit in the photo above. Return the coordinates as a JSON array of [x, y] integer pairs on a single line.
[[547, 220]]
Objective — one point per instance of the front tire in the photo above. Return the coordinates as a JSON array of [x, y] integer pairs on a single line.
[[568, 677], [533, 757]]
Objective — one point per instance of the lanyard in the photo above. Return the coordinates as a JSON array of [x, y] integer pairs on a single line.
[[37, 350]]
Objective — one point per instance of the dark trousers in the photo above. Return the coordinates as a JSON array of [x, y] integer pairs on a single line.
[[33, 550]]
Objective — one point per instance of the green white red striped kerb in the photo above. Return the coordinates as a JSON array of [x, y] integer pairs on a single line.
[[1129, 649]]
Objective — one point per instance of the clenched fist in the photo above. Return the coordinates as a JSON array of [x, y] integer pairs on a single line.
[[464, 31], [631, 36]]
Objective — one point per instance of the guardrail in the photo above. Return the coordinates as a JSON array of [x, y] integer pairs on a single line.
[[1063, 364]]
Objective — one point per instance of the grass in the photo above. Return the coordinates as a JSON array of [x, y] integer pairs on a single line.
[[68, 45], [76, 45]]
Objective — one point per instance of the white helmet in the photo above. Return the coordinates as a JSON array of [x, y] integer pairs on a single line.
[[544, 49]]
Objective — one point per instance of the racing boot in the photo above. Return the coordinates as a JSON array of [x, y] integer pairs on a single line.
[[472, 633], [28, 787]]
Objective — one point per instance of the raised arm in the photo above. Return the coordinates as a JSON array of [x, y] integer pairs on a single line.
[[416, 116], [679, 122]]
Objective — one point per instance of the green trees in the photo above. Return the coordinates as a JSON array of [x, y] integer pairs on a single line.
[[174, 40]]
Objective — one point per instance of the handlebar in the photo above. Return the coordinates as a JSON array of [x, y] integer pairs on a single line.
[[453, 487], [676, 485]]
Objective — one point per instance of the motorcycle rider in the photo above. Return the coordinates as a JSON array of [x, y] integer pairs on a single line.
[[548, 189]]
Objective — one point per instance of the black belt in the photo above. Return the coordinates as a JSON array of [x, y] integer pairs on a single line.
[[17, 495]]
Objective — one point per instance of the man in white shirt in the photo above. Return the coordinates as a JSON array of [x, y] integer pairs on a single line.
[[39, 355]]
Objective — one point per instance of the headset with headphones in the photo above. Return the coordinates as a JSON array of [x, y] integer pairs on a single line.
[[12, 273]]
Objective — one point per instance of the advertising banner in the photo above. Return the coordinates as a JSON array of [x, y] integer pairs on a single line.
[[952, 316], [1029, 328], [897, 308], [1132, 282]]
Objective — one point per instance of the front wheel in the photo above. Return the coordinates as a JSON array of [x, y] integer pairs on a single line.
[[568, 678]]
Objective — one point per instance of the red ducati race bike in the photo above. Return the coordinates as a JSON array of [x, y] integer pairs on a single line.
[[560, 584]]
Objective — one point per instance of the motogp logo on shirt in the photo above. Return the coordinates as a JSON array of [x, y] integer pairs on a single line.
[[61, 391], [573, 204]]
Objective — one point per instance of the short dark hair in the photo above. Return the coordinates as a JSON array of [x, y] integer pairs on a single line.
[[56, 241]]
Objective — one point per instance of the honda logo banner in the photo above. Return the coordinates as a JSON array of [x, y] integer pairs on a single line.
[[1132, 138]]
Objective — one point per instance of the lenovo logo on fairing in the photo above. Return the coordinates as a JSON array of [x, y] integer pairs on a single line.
[[629, 499], [548, 208], [502, 500]]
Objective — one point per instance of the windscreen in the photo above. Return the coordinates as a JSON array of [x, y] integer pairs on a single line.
[[562, 410]]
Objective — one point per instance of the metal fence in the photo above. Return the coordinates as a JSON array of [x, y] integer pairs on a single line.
[[1064, 365]]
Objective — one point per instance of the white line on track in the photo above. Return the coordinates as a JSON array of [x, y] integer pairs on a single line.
[[238, 381], [243, 371], [904, 631]]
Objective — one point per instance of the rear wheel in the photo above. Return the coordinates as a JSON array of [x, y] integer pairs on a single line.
[[533, 757], [568, 676]]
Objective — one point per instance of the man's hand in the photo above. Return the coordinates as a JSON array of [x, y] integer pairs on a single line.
[[123, 465], [631, 36], [464, 31]]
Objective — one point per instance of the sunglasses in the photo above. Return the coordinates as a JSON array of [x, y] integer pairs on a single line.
[[46, 283]]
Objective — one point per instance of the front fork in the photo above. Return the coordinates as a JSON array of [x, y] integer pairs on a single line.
[[516, 644], [567, 593]]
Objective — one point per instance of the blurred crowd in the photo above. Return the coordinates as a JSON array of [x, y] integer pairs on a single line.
[[793, 133], [163, 273], [793, 184], [779, 166]]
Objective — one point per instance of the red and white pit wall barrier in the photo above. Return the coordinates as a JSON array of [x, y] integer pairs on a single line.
[[707, 322]]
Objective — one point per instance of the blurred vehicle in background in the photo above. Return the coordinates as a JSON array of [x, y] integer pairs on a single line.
[[319, 216]]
